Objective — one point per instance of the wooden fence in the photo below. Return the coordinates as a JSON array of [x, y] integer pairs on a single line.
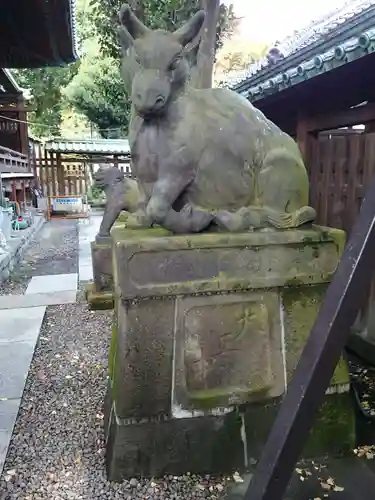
[[341, 165]]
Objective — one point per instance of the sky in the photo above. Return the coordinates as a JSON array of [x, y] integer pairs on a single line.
[[271, 20]]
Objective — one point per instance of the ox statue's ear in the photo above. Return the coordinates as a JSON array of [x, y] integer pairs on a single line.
[[191, 29], [131, 27]]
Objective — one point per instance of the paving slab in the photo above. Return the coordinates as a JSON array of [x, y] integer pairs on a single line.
[[85, 260], [15, 359], [87, 233], [19, 324], [4, 443], [52, 283], [85, 273], [35, 300], [8, 414]]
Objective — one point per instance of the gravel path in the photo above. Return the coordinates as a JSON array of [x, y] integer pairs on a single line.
[[57, 449], [53, 251]]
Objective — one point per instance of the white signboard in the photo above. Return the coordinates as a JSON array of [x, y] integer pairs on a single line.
[[70, 205]]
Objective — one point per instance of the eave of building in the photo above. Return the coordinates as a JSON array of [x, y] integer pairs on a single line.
[[345, 23], [13, 85], [338, 55], [89, 146], [48, 39]]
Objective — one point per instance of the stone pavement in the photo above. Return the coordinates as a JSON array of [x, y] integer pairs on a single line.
[[19, 330], [21, 317], [87, 232]]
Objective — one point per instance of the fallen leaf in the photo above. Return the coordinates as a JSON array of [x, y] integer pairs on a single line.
[[338, 488]]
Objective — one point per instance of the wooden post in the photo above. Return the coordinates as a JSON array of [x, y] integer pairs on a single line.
[[60, 174], [23, 192], [303, 137], [53, 173], [23, 127], [14, 191]]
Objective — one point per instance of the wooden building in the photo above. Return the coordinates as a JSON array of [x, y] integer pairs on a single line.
[[66, 166], [319, 86], [46, 39], [15, 168]]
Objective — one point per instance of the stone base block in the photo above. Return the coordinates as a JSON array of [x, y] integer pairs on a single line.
[[98, 301], [212, 444], [101, 253], [205, 324]]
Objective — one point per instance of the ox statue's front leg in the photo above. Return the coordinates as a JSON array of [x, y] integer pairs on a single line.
[[175, 174], [160, 211]]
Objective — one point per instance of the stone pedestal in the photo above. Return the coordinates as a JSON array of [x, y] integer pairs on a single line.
[[208, 331], [100, 292]]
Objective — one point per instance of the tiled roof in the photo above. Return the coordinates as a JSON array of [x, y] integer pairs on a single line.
[[89, 146], [314, 35]]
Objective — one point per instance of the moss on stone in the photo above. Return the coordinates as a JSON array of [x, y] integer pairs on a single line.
[[222, 396], [99, 301], [216, 239], [112, 351], [301, 307], [334, 430]]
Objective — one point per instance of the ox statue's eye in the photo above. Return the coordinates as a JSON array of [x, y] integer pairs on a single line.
[[175, 64]]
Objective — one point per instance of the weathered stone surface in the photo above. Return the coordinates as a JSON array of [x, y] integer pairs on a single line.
[[122, 193], [148, 263], [142, 370], [213, 159], [212, 443], [154, 448], [228, 350], [101, 253], [99, 301], [204, 323]]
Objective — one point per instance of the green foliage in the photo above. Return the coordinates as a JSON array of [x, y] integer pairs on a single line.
[[45, 85], [93, 86], [162, 14], [96, 193], [97, 91]]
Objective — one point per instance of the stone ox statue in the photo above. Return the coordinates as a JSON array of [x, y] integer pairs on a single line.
[[204, 156]]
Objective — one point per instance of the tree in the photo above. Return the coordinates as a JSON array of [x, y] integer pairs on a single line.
[[156, 14], [97, 91], [45, 85], [236, 55]]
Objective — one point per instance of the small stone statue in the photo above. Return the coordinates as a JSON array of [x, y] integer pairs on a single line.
[[122, 194], [204, 157]]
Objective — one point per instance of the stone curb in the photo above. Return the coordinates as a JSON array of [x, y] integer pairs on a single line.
[[18, 247]]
